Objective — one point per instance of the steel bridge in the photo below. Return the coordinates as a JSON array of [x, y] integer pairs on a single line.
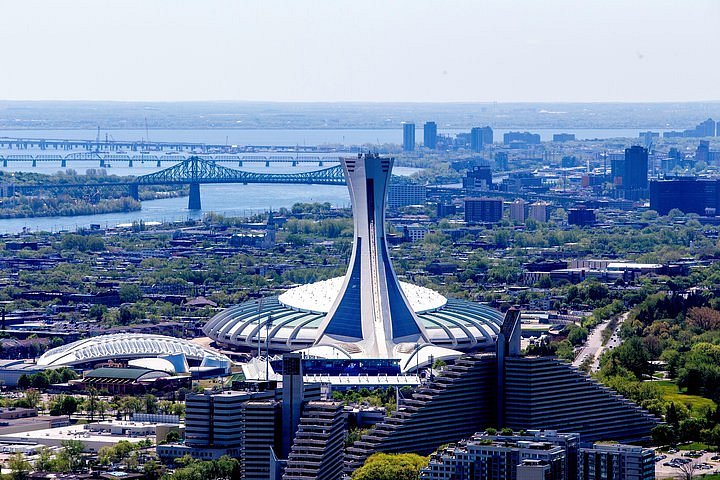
[[105, 159], [111, 145], [195, 170]]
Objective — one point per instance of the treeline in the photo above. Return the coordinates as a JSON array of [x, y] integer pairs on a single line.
[[63, 205]]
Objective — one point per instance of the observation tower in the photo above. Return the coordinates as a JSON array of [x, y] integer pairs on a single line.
[[368, 313]]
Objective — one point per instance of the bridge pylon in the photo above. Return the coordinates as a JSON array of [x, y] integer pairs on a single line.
[[194, 198]]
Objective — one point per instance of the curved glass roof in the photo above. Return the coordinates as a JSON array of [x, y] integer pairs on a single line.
[[124, 346]]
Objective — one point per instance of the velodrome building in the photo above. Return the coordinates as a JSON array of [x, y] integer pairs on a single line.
[[368, 313]]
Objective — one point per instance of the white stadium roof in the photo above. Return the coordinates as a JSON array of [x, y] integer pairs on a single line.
[[126, 346]]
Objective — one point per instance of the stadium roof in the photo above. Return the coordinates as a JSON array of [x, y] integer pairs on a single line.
[[125, 346]]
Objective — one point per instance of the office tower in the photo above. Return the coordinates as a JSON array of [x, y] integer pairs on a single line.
[[635, 173], [479, 137], [479, 177], [563, 137], [292, 399], [517, 210], [479, 210], [260, 429], [581, 216], [214, 424], [408, 137], [539, 211], [616, 462], [487, 135], [430, 135], [318, 450], [617, 167], [501, 161], [702, 153], [687, 194], [705, 129], [401, 195], [533, 455]]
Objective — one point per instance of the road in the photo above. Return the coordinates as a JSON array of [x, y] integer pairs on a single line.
[[593, 346]]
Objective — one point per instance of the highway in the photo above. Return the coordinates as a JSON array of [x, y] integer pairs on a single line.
[[593, 346]]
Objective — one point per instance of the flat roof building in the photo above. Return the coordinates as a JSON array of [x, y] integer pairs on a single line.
[[481, 210], [616, 462]]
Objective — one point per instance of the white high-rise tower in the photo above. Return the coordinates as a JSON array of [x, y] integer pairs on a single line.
[[371, 313]]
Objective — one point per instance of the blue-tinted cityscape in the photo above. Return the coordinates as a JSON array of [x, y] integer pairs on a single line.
[[295, 241]]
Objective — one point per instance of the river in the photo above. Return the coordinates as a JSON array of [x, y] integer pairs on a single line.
[[227, 199], [235, 200]]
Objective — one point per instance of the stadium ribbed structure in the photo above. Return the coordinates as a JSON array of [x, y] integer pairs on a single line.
[[368, 313], [128, 346]]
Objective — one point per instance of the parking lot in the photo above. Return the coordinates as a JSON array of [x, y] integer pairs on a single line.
[[668, 467]]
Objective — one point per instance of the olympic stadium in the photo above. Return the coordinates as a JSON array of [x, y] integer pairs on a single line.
[[293, 319], [368, 313]]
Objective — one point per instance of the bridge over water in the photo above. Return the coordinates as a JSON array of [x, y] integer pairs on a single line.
[[111, 146], [195, 171], [105, 159]]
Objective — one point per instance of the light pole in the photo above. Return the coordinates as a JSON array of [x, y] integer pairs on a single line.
[[268, 324]]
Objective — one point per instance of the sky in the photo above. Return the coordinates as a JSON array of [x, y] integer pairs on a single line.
[[361, 50]]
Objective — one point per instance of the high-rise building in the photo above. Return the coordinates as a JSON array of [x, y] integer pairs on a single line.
[[517, 210], [401, 195], [408, 137], [616, 462], [478, 210], [430, 135], [702, 153], [635, 173], [479, 137], [539, 211]]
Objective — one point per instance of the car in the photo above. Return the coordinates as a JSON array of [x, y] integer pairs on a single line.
[[673, 450]]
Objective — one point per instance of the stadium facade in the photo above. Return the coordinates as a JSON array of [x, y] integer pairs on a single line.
[[368, 313]]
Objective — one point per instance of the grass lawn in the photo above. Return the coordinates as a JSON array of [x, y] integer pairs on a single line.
[[670, 392], [695, 446]]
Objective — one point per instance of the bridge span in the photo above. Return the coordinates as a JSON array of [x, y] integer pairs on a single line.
[[195, 171], [105, 159], [111, 145]]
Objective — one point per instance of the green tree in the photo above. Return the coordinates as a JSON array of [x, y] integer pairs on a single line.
[[44, 462], [384, 466], [19, 465], [130, 293], [71, 455]]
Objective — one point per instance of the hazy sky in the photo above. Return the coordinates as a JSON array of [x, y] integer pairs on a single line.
[[361, 50]]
